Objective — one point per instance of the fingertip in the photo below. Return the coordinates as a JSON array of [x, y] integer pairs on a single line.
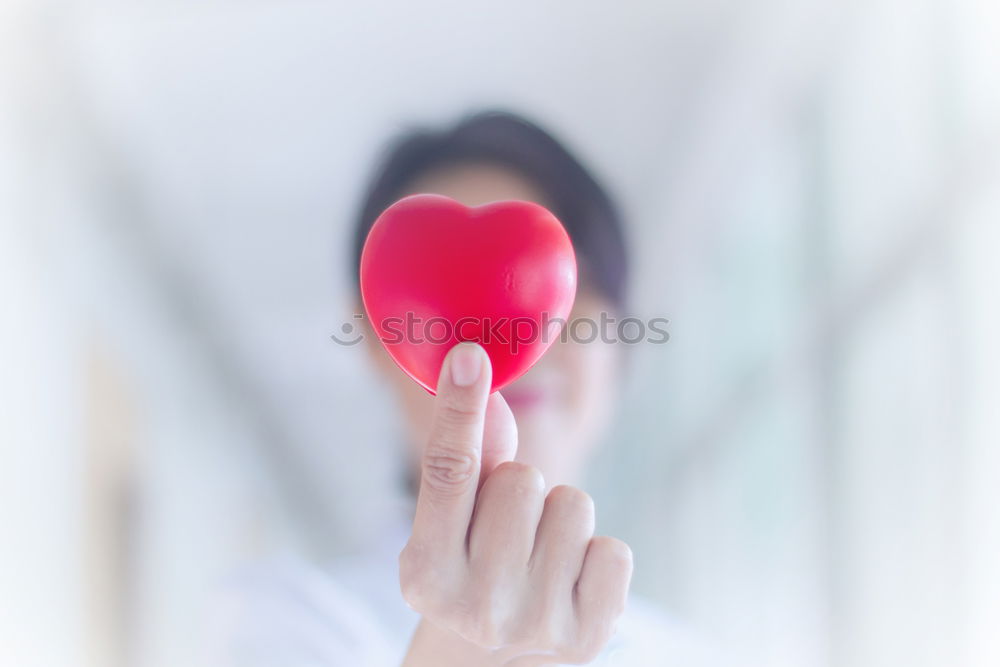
[[500, 433], [497, 405], [465, 365]]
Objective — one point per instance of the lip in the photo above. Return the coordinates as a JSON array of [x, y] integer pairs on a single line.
[[522, 399]]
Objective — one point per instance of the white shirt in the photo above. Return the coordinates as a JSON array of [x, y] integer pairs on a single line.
[[290, 613]]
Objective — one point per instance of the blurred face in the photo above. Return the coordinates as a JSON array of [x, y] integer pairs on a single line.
[[562, 405]]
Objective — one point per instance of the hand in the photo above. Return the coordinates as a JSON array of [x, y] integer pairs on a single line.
[[502, 573]]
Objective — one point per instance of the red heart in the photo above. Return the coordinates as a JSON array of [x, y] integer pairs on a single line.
[[435, 273]]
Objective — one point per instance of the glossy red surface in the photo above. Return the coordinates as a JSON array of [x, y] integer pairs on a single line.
[[435, 272]]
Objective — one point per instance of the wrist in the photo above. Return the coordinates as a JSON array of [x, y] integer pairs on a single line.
[[434, 646]]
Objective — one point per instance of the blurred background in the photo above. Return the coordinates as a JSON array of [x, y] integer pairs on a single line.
[[813, 193]]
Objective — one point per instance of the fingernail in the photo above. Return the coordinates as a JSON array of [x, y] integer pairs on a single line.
[[466, 364]]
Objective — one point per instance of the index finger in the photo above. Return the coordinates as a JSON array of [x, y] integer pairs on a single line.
[[451, 462]]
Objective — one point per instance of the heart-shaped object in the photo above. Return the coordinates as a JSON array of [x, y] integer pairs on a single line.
[[435, 273]]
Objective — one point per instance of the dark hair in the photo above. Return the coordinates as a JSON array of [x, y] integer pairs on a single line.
[[505, 139]]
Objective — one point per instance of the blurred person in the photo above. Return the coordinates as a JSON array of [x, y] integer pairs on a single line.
[[495, 562]]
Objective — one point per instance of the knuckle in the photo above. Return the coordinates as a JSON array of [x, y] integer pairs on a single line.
[[449, 472], [414, 592], [411, 562], [572, 500], [615, 551], [413, 581], [518, 477]]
